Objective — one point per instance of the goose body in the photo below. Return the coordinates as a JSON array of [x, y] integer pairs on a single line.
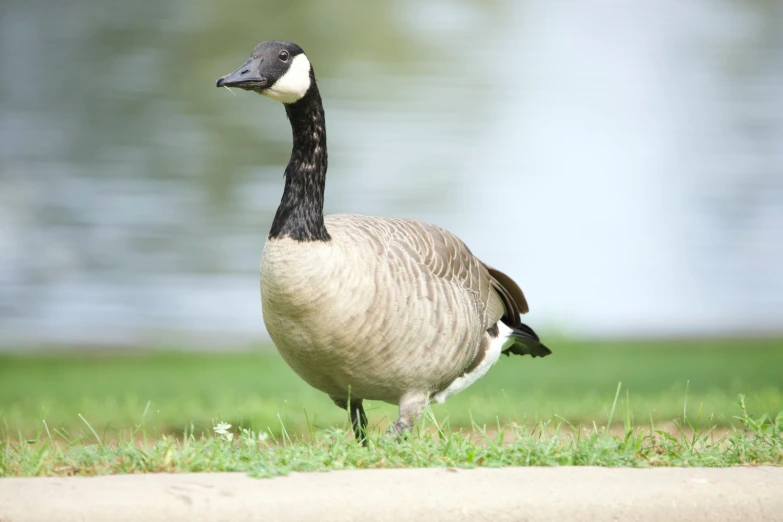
[[385, 307], [365, 307]]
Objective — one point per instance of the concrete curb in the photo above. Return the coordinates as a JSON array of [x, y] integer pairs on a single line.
[[500, 494]]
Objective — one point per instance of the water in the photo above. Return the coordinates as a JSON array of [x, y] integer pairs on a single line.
[[622, 161]]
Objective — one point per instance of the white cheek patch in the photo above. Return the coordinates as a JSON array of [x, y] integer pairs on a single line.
[[293, 85]]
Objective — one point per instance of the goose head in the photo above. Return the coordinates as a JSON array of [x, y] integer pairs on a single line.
[[277, 70]]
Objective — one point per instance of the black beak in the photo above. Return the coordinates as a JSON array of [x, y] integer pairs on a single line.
[[246, 77]]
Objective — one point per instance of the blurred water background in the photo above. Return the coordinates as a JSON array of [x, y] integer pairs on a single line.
[[622, 160]]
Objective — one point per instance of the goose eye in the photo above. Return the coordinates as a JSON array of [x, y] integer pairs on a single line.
[[284, 56]]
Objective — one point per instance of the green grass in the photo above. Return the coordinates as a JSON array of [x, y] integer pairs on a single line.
[[257, 390], [756, 441], [156, 411]]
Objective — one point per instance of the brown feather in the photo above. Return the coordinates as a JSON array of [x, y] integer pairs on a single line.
[[512, 296]]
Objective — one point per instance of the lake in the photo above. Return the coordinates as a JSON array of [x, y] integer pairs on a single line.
[[623, 161]]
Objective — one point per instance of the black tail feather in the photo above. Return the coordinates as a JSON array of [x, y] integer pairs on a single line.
[[524, 341]]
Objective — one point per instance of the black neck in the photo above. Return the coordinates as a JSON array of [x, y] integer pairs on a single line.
[[301, 212]]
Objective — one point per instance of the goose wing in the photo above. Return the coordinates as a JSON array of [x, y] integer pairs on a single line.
[[428, 251], [449, 258]]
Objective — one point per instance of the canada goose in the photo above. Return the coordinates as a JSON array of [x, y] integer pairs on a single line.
[[364, 307]]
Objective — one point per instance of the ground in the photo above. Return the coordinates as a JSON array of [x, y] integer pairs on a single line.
[[500, 494]]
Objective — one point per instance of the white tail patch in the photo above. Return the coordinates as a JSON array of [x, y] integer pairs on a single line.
[[490, 358], [294, 84]]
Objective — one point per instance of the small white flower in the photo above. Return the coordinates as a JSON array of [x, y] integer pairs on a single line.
[[222, 429], [263, 436]]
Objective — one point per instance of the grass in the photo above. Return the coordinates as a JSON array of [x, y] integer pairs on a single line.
[[251, 390], [757, 441], [112, 413]]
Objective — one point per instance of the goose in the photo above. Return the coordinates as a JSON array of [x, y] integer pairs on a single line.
[[370, 308]]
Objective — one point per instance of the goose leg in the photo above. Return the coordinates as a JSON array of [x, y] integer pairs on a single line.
[[359, 421], [358, 417], [411, 406]]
